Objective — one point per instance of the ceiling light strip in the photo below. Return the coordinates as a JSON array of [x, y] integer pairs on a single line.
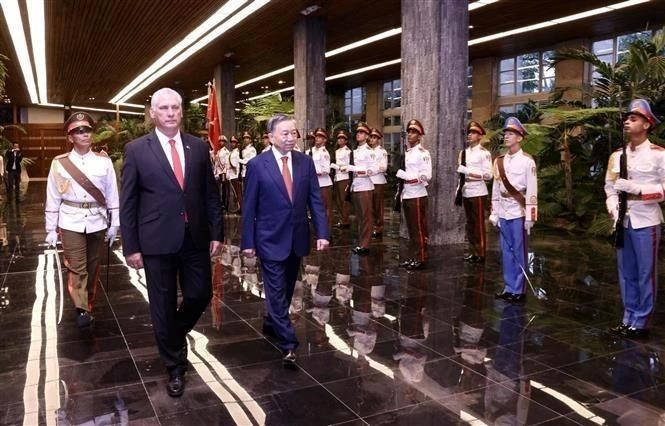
[[14, 22], [564, 19], [364, 69], [38, 39], [480, 3], [264, 76], [78, 107], [215, 19], [132, 105], [232, 22], [265, 95]]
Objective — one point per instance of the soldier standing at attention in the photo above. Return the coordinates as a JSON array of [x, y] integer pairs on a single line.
[[362, 188], [233, 173], [248, 152], [514, 208], [342, 156], [475, 163], [414, 195], [321, 158], [266, 142], [82, 202], [379, 180], [637, 260], [223, 160]]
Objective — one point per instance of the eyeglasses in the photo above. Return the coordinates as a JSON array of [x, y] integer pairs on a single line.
[[81, 131]]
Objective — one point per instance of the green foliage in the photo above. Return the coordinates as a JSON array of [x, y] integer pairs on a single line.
[[194, 119], [3, 73], [114, 138], [5, 143], [255, 114]]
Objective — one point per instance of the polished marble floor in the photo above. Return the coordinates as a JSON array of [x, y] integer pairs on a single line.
[[379, 345]]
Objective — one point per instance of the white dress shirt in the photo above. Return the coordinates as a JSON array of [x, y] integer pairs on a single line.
[[278, 157], [166, 146]]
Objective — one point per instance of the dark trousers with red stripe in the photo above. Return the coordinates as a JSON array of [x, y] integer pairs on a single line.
[[415, 213], [326, 195], [637, 263], [82, 253], [378, 200], [362, 204], [474, 208]]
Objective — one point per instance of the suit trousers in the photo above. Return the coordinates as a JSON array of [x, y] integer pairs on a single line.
[[362, 204], [13, 182], [279, 280], [637, 263], [474, 209], [415, 213], [326, 194], [378, 200], [190, 267], [343, 206], [82, 252], [513, 254], [224, 193]]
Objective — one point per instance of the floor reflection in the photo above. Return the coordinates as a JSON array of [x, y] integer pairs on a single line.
[[379, 345]]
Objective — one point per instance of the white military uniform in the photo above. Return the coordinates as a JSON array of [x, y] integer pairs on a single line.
[[417, 174], [479, 162], [234, 164], [342, 156], [62, 187], [266, 149], [248, 153], [521, 173], [381, 157], [223, 160], [321, 159], [646, 167], [364, 166]]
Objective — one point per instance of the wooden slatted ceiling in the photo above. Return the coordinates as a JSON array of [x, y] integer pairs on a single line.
[[96, 47]]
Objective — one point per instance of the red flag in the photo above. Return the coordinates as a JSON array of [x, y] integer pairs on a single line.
[[213, 117]]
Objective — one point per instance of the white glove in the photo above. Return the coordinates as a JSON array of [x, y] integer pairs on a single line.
[[612, 205], [52, 238], [627, 186], [334, 166], [401, 174], [494, 220], [463, 170], [423, 178], [110, 234], [350, 168], [528, 224]]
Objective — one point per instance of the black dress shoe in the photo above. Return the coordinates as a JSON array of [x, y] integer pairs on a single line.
[[342, 225], [518, 298], [415, 264], [504, 296], [637, 333], [468, 258], [176, 384], [619, 329], [377, 235], [289, 359], [362, 251], [477, 259], [84, 320], [406, 263]]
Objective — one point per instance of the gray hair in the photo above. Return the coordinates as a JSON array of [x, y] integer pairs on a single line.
[[164, 91], [275, 120]]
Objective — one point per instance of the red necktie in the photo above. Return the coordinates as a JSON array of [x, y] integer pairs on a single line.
[[286, 175], [177, 166]]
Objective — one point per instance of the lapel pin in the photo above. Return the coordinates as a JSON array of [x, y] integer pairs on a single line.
[[187, 146]]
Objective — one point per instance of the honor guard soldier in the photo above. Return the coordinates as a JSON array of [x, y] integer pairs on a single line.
[[342, 157], [233, 173], [475, 163], [362, 188], [416, 177], [641, 183], [223, 161], [266, 143], [321, 158], [248, 152], [82, 202], [379, 180], [514, 208]]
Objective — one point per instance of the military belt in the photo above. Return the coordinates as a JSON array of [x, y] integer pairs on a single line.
[[86, 205], [506, 194]]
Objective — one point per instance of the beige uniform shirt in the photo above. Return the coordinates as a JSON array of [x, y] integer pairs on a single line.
[[321, 159], [342, 157], [223, 160], [417, 174], [248, 153], [234, 164], [521, 173], [364, 166], [381, 165], [646, 167], [61, 186]]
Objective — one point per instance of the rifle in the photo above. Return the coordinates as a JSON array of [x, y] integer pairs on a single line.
[[397, 204], [462, 178], [623, 200], [347, 197]]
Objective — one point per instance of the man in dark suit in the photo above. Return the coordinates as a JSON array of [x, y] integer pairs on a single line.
[[280, 185], [13, 159], [171, 224]]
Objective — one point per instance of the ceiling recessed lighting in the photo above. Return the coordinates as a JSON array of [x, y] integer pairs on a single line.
[[471, 27], [91, 98], [310, 9], [281, 82]]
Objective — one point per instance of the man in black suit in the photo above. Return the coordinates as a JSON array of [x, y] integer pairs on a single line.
[[13, 159], [171, 224]]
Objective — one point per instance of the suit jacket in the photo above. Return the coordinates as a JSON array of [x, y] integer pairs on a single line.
[[9, 160], [152, 204], [272, 224]]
